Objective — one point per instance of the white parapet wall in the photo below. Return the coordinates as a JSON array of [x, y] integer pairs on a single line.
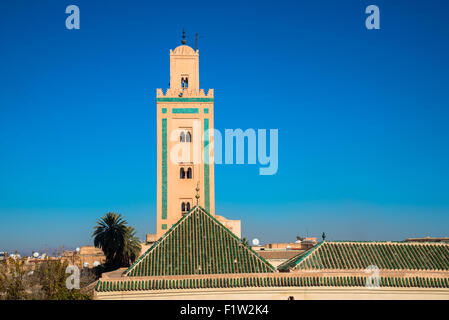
[[279, 293]]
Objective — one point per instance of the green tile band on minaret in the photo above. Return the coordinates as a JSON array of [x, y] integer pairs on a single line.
[[206, 166], [185, 110], [164, 169], [185, 99]]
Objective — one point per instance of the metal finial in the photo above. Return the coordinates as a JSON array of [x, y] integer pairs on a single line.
[[183, 41], [196, 41], [197, 192]]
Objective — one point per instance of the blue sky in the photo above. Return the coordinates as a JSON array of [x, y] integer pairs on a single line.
[[362, 115]]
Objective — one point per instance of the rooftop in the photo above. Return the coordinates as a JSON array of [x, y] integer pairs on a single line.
[[198, 244], [345, 255]]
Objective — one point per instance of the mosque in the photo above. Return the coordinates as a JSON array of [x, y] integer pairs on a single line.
[[196, 254]]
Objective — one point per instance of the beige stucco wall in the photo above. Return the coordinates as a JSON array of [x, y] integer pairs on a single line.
[[309, 293], [276, 262], [234, 225], [184, 63], [179, 190]]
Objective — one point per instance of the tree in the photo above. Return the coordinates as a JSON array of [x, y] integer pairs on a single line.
[[20, 280], [323, 236], [117, 240], [13, 279], [132, 246], [51, 277]]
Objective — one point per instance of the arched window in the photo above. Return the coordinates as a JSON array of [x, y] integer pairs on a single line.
[[182, 173], [182, 137], [183, 207], [188, 137], [188, 206], [184, 82], [189, 173]]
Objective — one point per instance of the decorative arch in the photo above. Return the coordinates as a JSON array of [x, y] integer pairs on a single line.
[[189, 173], [182, 173]]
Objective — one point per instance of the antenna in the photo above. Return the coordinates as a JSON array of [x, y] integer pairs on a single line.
[[196, 41]]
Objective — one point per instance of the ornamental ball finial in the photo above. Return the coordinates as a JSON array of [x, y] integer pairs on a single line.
[[197, 196], [183, 41]]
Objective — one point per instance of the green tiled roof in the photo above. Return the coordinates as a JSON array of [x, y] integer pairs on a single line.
[[267, 281], [348, 255], [198, 244]]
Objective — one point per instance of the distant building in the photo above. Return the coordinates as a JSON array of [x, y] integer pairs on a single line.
[[427, 239], [304, 244], [278, 253], [88, 257], [3, 255]]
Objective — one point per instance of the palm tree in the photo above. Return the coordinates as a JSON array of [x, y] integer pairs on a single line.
[[132, 246], [117, 240]]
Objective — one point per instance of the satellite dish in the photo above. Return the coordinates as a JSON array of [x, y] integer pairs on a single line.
[[77, 250], [288, 247], [36, 254], [86, 264], [255, 242], [96, 263]]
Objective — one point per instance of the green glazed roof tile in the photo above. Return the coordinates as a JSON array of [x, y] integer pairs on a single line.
[[198, 244], [269, 281], [359, 255]]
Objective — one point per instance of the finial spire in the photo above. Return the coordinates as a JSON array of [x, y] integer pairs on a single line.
[[197, 192], [183, 41]]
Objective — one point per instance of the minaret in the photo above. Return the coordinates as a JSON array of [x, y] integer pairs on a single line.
[[185, 122]]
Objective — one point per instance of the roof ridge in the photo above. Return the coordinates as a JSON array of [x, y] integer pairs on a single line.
[[232, 233], [215, 231], [304, 254], [172, 228], [387, 242], [386, 255]]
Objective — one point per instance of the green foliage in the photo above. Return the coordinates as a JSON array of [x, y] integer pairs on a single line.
[[18, 281], [51, 276], [13, 279], [118, 241]]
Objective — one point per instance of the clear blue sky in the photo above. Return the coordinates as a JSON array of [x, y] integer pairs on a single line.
[[362, 115]]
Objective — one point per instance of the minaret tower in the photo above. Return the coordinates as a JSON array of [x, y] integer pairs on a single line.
[[185, 122]]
